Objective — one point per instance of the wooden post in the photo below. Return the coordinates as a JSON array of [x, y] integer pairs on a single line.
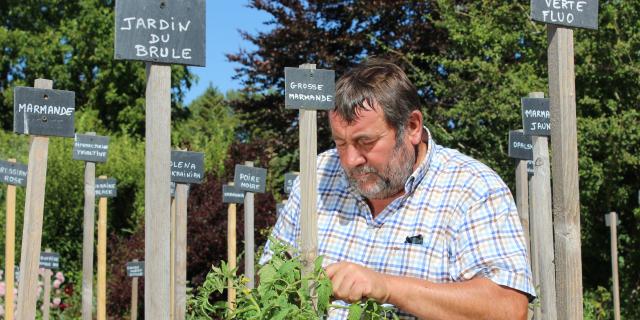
[[566, 194], [172, 263], [180, 278], [102, 258], [522, 198], [542, 222], [10, 250], [613, 226], [231, 251], [157, 181], [249, 258], [33, 216], [308, 183], [46, 298], [134, 297], [88, 237]]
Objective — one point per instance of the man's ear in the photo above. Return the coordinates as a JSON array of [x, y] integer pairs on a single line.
[[414, 127]]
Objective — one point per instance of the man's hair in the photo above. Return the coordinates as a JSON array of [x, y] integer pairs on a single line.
[[377, 80]]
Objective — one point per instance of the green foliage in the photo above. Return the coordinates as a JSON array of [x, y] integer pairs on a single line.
[[282, 293], [598, 304], [209, 127]]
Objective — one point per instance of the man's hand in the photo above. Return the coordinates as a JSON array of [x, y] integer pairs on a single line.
[[352, 282]]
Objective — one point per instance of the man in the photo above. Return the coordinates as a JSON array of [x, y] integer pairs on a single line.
[[405, 221]]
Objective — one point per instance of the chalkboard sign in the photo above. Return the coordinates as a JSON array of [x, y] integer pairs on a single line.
[[161, 31], [570, 13], [135, 269], [536, 118], [520, 145], [607, 220], [289, 179], [187, 167], [49, 260], [530, 169], [43, 112], [90, 148], [106, 188], [250, 179], [13, 173], [279, 208], [232, 195], [309, 89]]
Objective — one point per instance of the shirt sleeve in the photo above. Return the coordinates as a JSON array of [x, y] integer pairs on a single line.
[[490, 243], [287, 228]]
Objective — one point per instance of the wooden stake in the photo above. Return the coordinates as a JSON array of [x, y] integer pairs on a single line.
[[134, 297], [308, 183], [172, 263], [88, 237], [10, 250], [249, 258], [231, 251], [542, 222], [180, 295], [613, 226], [157, 182], [102, 257], [522, 198], [566, 194], [46, 298], [32, 223]]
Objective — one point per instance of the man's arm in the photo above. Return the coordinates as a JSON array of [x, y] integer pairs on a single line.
[[478, 298]]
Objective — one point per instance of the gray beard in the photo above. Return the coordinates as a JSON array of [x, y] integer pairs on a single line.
[[391, 180]]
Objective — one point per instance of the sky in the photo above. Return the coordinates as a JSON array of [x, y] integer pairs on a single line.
[[223, 20]]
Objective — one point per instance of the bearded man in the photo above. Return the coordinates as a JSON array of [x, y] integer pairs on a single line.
[[405, 221]]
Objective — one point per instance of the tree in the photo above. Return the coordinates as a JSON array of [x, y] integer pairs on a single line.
[[71, 43]]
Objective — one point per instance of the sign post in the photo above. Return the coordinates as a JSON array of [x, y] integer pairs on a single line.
[[535, 120], [232, 196], [91, 149], [160, 33], [48, 261], [611, 220], [250, 179], [105, 188], [560, 17], [40, 112], [135, 269], [309, 90], [13, 174], [186, 168]]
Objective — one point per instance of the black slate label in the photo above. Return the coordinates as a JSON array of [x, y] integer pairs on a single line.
[[520, 145], [232, 195], [43, 112], [187, 167], [135, 269], [90, 148], [569, 13], [161, 31], [536, 118], [250, 179], [106, 188], [309, 88], [49, 260], [13, 173]]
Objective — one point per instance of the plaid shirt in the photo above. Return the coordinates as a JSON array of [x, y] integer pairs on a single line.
[[461, 209]]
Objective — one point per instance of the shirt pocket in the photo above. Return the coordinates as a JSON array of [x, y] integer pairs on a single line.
[[415, 260]]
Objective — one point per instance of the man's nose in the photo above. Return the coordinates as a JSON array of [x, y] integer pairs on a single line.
[[353, 157]]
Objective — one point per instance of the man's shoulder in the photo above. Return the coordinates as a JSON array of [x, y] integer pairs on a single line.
[[451, 162]]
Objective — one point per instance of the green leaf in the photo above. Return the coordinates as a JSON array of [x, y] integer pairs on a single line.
[[355, 312]]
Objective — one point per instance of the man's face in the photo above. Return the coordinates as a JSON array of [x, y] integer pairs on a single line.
[[375, 163]]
